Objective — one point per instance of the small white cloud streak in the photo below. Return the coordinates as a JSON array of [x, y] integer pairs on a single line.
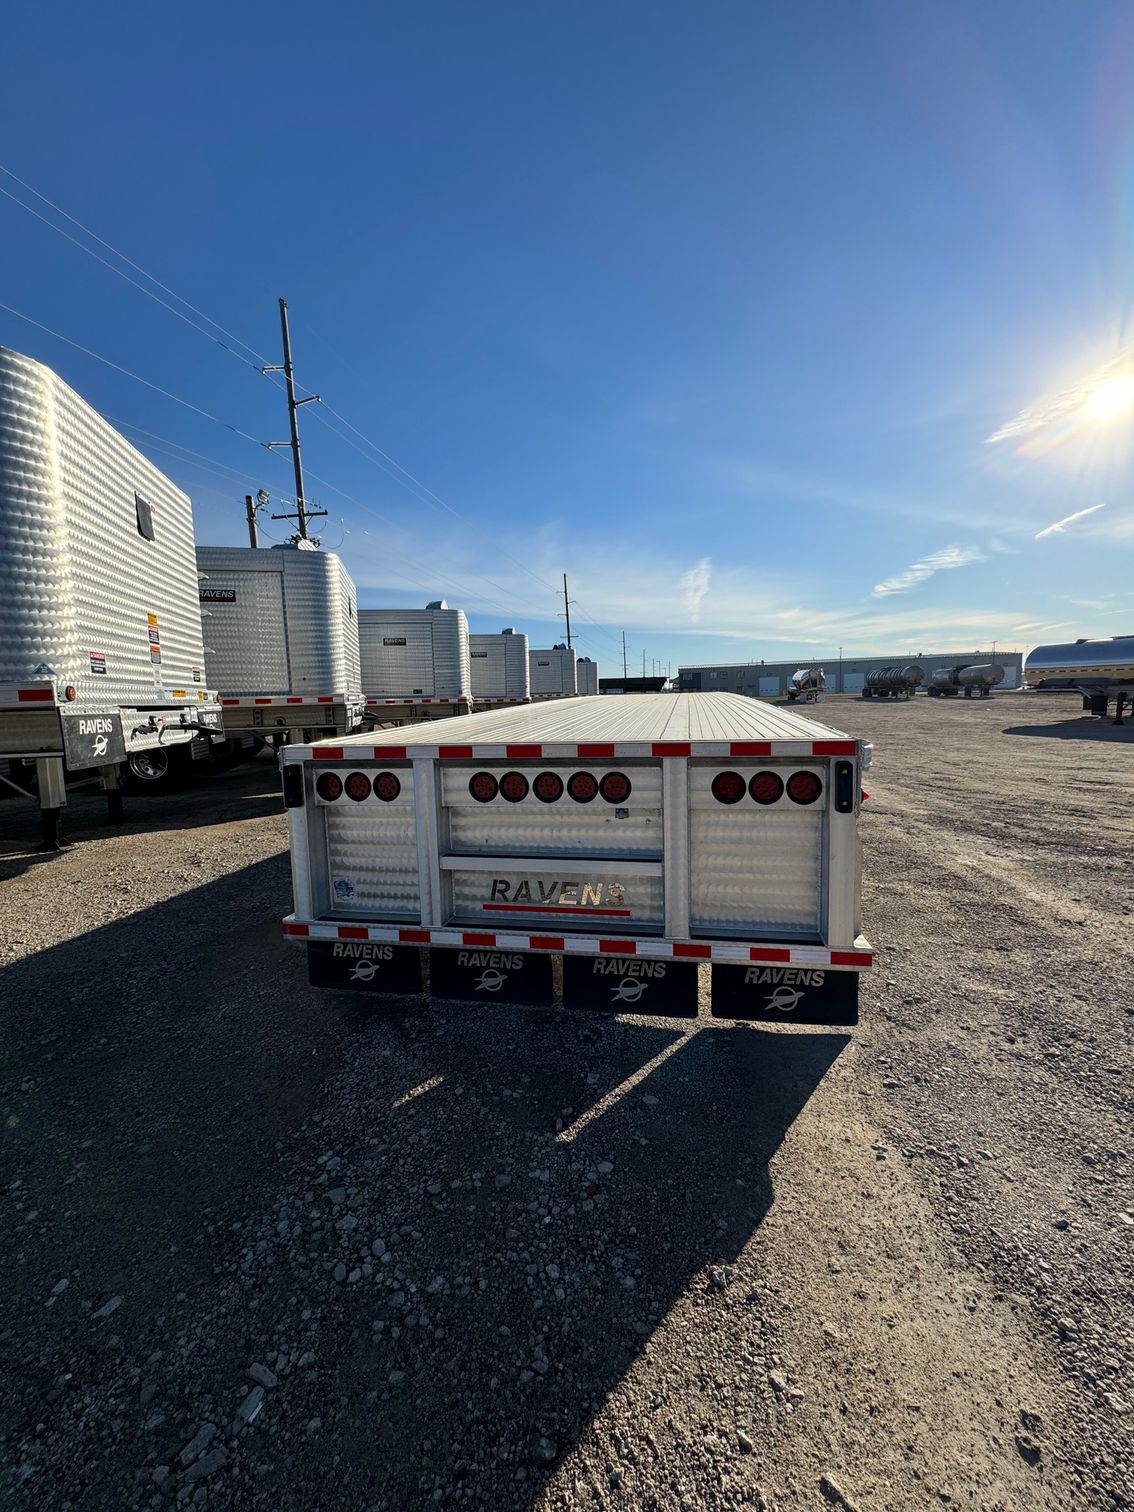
[[1061, 525], [1039, 417], [916, 574], [694, 585]]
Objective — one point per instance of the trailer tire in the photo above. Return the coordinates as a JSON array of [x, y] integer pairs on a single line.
[[155, 771]]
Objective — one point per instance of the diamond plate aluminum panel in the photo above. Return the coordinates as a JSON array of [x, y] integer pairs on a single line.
[[563, 828], [76, 575], [499, 665], [292, 626], [409, 653], [755, 871], [372, 855], [601, 902]]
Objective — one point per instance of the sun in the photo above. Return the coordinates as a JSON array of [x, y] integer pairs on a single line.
[[1112, 397]]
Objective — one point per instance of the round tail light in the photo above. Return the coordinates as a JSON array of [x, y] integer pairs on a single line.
[[803, 787], [483, 787], [615, 787], [387, 787], [357, 786], [513, 787], [582, 787], [329, 786], [767, 787], [728, 787], [548, 787]]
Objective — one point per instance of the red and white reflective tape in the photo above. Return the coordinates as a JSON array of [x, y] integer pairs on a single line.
[[290, 698], [382, 702], [717, 750], [860, 958], [42, 693], [477, 699]]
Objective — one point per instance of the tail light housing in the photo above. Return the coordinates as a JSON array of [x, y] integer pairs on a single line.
[[357, 786], [582, 787], [387, 787], [483, 787], [766, 787], [615, 787], [329, 786], [804, 787], [513, 787], [728, 787], [548, 787]]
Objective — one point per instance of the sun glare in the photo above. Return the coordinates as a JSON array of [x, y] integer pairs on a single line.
[[1113, 396]]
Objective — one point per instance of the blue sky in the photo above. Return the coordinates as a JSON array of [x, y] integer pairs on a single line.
[[712, 307]]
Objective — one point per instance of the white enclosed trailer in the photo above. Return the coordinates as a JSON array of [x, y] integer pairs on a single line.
[[553, 672], [499, 668], [586, 677], [281, 641], [415, 662], [101, 657], [635, 838]]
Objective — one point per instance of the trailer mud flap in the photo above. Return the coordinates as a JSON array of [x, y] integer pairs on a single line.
[[785, 994], [626, 984], [363, 966], [501, 976]]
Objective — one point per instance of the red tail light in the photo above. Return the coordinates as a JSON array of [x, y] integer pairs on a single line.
[[513, 787], [728, 787], [582, 787], [767, 787], [615, 787], [483, 787], [387, 787], [548, 787], [329, 786], [803, 787], [358, 786]]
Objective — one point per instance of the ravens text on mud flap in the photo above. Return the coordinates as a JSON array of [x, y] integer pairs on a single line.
[[629, 984], [92, 740], [785, 994], [492, 976], [363, 966]]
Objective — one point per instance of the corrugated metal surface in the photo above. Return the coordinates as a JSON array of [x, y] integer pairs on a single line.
[[648, 717], [414, 653], [291, 626], [80, 586], [552, 671], [372, 855], [499, 666], [562, 828]]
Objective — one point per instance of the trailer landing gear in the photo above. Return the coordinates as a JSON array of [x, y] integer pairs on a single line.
[[52, 798], [1119, 705], [110, 779]]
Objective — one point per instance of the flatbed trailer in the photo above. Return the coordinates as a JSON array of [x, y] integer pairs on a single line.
[[634, 838]]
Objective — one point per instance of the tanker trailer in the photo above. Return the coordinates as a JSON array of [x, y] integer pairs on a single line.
[[1097, 669], [806, 685], [893, 682], [948, 682]]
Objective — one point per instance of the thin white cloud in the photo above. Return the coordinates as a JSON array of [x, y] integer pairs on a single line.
[[1061, 525], [1038, 417], [694, 585], [916, 574]]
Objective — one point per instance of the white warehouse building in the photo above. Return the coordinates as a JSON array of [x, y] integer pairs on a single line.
[[759, 679]]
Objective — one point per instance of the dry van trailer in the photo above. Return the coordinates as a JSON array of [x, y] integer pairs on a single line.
[[415, 663], [499, 669], [101, 655], [634, 838]]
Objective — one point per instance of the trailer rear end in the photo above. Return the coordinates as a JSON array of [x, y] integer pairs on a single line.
[[637, 840]]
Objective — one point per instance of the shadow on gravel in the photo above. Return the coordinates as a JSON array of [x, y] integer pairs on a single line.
[[247, 792], [1077, 728]]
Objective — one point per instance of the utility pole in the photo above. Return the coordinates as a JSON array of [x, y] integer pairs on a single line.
[[643, 661], [567, 610], [250, 506], [302, 513], [625, 674]]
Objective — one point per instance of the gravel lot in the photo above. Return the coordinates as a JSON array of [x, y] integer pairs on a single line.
[[270, 1249]]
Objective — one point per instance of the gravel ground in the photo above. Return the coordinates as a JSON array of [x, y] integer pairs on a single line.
[[270, 1249]]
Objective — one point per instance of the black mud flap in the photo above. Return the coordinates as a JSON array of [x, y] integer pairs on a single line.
[[630, 984], [363, 966], [785, 994], [492, 976]]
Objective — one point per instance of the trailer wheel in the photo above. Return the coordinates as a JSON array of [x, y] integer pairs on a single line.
[[152, 771]]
